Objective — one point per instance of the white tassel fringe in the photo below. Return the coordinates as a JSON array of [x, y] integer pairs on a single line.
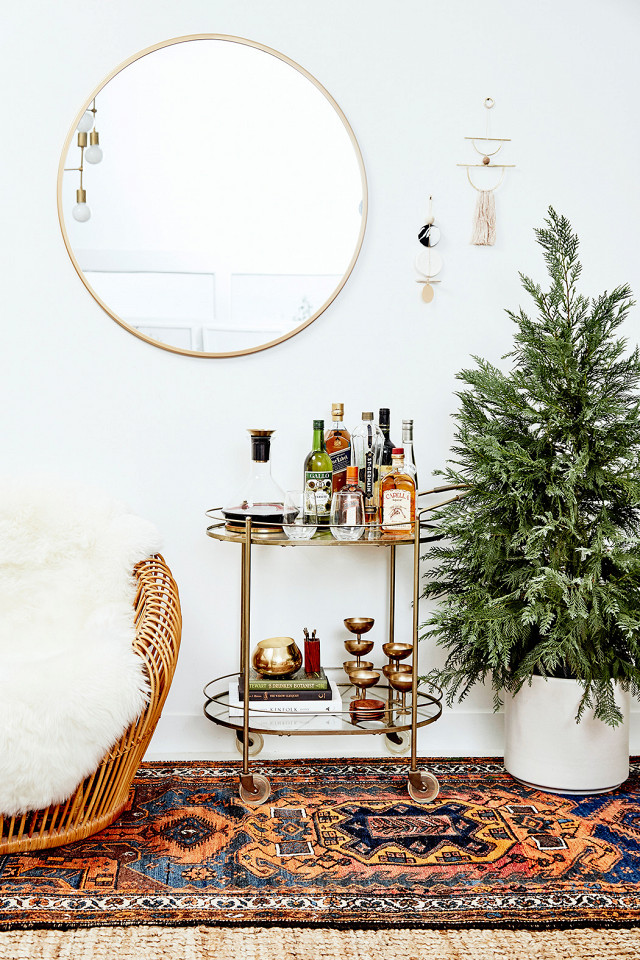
[[484, 222]]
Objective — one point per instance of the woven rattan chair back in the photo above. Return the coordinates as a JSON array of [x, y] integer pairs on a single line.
[[99, 799]]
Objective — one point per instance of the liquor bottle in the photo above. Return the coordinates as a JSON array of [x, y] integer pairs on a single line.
[[397, 499], [409, 455], [384, 422], [338, 442], [347, 509], [366, 451], [318, 475], [261, 498]]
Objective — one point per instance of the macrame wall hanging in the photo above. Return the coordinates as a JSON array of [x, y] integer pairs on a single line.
[[428, 261], [484, 220]]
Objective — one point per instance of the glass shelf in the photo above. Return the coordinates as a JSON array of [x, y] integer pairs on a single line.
[[372, 537], [216, 709]]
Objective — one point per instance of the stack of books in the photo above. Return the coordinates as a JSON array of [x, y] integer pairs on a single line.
[[302, 693]]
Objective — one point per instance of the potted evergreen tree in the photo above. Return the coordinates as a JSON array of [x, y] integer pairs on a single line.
[[538, 572]]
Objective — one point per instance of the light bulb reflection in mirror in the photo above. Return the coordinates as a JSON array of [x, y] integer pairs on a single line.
[[93, 154], [81, 212], [86, 122]]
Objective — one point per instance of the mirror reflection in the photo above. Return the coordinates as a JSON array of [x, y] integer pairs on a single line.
[[222, 203]]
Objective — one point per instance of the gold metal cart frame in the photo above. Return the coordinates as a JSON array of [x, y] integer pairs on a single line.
[[426, 707]]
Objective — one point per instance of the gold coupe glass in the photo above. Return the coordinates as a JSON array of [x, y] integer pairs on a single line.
[[402, 681]]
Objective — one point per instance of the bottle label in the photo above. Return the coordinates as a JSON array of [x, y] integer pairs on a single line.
[[368, 474], [396, 510], [318, 483], [341, 459]]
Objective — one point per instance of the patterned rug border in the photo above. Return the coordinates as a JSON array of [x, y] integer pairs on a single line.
[[589, 918]]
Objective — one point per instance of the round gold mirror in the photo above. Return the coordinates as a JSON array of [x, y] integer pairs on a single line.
[[212, 196]]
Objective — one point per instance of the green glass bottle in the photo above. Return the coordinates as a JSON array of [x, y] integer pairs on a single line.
[[318, 477]]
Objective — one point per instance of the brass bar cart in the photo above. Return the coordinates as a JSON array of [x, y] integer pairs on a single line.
[[399, 726]]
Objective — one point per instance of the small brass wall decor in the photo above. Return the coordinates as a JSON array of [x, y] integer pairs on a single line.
[[484, 221], [428, 261]]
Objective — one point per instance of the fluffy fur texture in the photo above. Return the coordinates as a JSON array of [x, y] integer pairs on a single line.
[[70, 682]]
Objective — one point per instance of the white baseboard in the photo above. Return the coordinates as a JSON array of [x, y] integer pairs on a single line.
[[456, 734]]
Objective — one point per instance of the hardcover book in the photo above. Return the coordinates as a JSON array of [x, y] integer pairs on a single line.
[[331, 705], [299, 681]]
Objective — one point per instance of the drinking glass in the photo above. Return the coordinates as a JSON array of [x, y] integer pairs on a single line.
[[300, 520], [347, 514]]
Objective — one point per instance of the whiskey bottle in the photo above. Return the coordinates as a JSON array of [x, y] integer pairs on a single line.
[[409, 456], [338, 443], [318, 475], [397, 499], [384, 422], [366, 444]]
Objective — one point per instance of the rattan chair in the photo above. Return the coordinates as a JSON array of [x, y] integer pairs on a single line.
[[99, 799]]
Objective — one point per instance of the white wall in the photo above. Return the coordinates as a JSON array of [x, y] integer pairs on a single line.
[[83, 398]]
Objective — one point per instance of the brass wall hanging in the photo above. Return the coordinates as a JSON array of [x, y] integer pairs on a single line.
[[484, 221]]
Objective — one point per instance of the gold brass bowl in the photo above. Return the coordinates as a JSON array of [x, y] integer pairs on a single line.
[[402, 681], [358, 647], [390, 668], [359, 625], [276, 657], [362, 679], [397, 651], [350, 665]]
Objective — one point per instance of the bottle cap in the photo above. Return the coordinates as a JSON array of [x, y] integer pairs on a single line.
[[318, 424], [384, 416], [337, 411], [352, 474], [397, 452], [260, 445], [367, 416]]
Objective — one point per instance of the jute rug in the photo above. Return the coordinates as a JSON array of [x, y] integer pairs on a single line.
[[276, 943], [340, 844]]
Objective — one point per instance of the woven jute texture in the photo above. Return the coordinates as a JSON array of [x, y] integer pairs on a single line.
[[290, 943]]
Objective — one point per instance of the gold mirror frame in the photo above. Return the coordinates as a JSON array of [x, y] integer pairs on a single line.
[[350, 133]]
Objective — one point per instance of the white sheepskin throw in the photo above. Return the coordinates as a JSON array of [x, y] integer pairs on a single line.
[[70, 683]]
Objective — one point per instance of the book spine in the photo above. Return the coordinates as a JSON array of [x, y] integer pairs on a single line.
[[270, 695], [302, 683]]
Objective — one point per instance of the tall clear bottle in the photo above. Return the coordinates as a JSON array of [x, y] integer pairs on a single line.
[[397, 499], [384, 422], [409, 455], [366, 445], [261, 498], [318, 475], [338, 443]]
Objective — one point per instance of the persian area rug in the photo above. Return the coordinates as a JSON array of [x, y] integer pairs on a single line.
[[340, 843]]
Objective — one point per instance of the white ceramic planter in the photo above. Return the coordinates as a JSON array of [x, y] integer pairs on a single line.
[[546, 748]]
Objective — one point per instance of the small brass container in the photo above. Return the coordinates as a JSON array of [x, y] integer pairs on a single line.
[[358, 647], [390, 668], [350, 665], [277, 657], [359, 625], [364, 678], [402, 681], [397, 651]]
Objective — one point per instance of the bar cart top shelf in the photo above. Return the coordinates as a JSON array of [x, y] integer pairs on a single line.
[[372, 537]]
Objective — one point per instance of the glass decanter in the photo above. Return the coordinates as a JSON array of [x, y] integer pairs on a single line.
[[261, 498]]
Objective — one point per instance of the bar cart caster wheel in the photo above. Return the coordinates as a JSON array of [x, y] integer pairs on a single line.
[[423, 787], [261, 789], [398, 743], [256, 743]]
